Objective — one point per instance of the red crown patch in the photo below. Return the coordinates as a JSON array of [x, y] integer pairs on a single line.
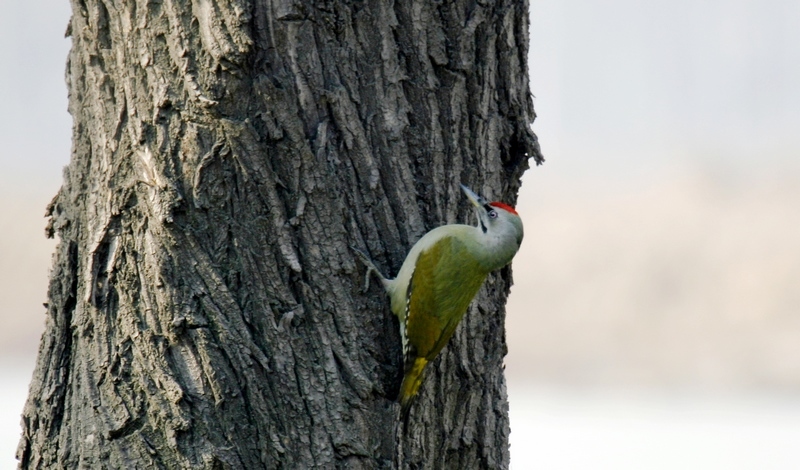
[[503, 206]]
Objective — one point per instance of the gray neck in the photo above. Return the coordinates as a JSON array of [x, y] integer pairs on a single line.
[[495, 248]]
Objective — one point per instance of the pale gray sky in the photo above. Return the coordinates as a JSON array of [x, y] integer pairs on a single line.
[[624, 87], [34, 123]]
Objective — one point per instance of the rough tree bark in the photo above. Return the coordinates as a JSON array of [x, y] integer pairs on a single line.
[[205, 309]]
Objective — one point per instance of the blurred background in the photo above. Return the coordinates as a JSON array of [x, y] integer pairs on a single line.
[[655, 317]]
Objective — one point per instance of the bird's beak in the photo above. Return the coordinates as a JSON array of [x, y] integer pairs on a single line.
[[476, 200]]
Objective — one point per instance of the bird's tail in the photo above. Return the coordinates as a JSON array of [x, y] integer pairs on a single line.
[[411, 383]]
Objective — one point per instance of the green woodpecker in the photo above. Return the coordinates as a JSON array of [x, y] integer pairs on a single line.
[[440, 277]]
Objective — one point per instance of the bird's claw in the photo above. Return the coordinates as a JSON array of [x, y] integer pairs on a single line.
[[366, 279], [369, 264]]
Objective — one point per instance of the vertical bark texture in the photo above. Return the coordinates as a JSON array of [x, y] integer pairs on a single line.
[[205, 309]]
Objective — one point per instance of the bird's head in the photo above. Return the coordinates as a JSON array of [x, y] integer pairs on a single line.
[[495, 218]]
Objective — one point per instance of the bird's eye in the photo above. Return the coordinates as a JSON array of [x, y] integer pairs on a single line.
[[493, 214]]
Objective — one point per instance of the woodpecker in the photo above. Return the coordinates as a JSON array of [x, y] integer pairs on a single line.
[[440, 277]]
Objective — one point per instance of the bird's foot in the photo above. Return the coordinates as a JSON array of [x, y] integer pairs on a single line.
[[370, 267]]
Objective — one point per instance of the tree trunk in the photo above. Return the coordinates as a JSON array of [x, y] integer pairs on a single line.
[[205, 308]]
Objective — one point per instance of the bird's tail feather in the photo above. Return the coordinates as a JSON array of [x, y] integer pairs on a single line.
[[411, 383]]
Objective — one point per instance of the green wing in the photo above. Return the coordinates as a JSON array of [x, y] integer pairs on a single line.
[[445, 280]]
